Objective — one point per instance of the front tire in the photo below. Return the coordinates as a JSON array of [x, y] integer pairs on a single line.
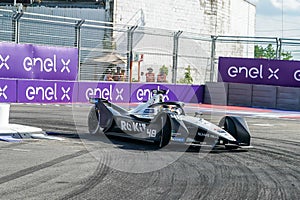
[[238, 128]]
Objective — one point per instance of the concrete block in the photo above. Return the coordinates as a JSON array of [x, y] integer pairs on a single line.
[[216, 93], [288, 98], [264, 96], [239, 94]]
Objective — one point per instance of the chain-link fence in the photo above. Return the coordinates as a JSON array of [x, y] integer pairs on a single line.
[[136, 51]]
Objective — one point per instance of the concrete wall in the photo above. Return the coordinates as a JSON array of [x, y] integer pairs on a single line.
[[288, 98], [239, 94], [215, 93], [262, 96]]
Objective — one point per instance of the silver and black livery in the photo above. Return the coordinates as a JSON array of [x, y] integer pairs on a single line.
[[162, 122]]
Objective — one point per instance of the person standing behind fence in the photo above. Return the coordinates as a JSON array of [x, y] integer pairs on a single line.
[[161, 77], [143, 77], [118, 75], [150, 76], [108, 76], [123, 75]]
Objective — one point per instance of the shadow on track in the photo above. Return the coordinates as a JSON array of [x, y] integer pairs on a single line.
[[125, 143]]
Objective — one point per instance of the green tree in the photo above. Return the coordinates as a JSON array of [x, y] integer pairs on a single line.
[[270, 53], [187, 76], [164, 70], [258, 51], [286, 55]]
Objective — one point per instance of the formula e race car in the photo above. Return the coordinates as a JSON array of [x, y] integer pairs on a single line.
[[162, 122]]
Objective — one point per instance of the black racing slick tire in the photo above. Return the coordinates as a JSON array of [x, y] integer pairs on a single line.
[[238, 128], [164, 135], [93, 121]]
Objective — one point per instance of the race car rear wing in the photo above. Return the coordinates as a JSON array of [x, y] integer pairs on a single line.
[[163, 92], [114, 108], [94, 100]]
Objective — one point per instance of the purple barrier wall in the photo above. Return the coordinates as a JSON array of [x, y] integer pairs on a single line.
[[185, 93], [114, 92], [46, 91], [36, 67], [27, 61], [259, 71], [39, 91], [136, 92], [8, 90]]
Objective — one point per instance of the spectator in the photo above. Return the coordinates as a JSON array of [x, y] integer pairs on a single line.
[[108, 76], [123, 75], [118, 75], [161, 77], [150, 76], [143, 77]]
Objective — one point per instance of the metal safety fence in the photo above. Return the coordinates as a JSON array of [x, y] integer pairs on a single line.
[[135, 52]]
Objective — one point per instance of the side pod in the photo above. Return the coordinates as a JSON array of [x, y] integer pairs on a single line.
[[238, 128]]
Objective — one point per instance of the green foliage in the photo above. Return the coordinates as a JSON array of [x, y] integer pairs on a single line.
[[258, 51], [164, 70], [286, 55], [270, 53], [187, 76]]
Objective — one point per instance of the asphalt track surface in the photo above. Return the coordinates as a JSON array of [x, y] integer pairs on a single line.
[[93, 167]]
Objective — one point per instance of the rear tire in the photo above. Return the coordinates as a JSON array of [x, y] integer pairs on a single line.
[[164, 135], [162, 141], [93, 122]]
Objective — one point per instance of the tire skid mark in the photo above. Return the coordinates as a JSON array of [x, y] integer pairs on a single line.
[[277, 188], [140, 189], [164, 184], [161, 184], [13, 145], [265, 192], [96, 178], [224, 180], [177, 188], [205, 177], [257, 165], [206, 180], [155, 178], [278, 152], [25, 187], [167, 190], [94, 182], [151, 183], [251, 179], [293, 166], [35, 168], [278, 140]]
